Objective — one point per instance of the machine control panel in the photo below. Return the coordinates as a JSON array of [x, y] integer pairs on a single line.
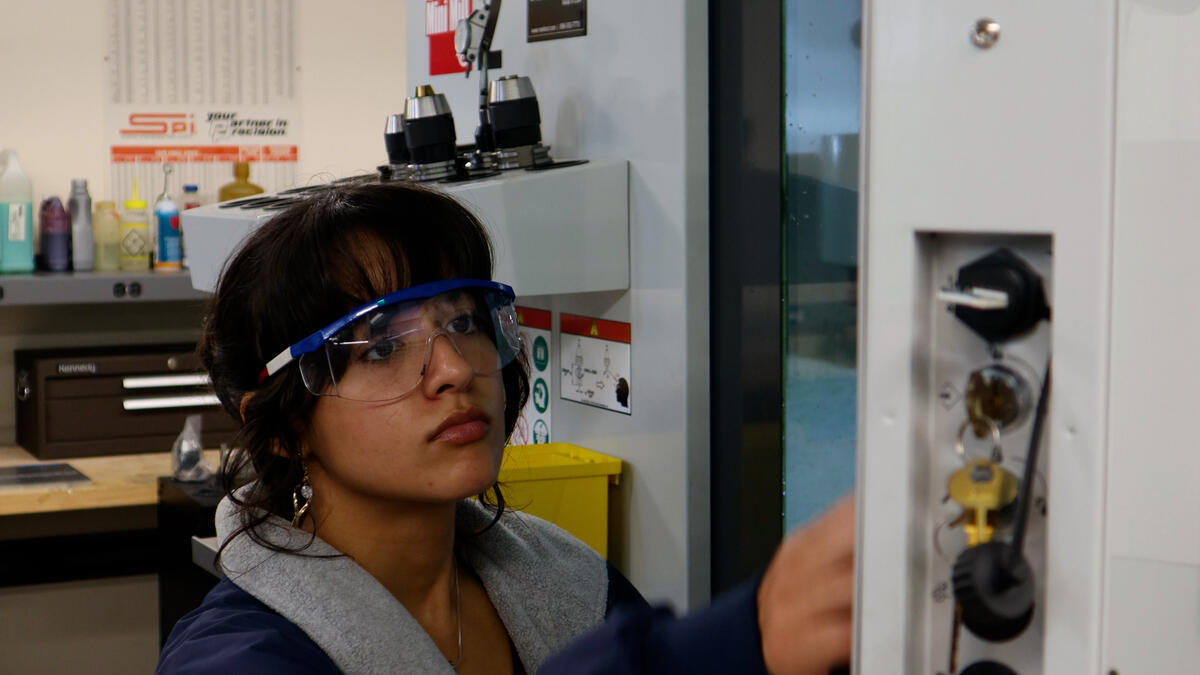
[[984, 483]]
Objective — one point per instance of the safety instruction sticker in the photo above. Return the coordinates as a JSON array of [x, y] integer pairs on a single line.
[[533, 426], [594, 358]]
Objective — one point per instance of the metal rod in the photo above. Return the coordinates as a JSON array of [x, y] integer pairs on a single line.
[[483, 136]]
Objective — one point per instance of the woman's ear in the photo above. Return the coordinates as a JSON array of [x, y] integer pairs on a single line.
[[276, 448], [245, 401]]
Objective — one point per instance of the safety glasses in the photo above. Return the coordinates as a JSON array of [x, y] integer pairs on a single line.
[[381, 350]]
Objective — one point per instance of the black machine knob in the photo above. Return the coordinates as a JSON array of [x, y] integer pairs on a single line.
[[995, 590], [1002, 270], [516, 119], [394, 141], [987, 668], [429, 127]]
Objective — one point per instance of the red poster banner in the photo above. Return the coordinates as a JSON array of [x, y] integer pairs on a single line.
[[586, 326], [533, 318], [130, 154]]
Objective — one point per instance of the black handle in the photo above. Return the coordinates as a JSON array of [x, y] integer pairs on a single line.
[[1031, 460]]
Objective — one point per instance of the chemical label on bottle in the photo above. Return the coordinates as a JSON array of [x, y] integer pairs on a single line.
[[133, 243], [168, 253], [16, 221]]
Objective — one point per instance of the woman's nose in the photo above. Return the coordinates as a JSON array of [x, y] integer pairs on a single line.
[[446, 368]]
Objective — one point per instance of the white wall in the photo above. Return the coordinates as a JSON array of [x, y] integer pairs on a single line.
[[52, 71], [634, 88], [350, 60], [351, 57]]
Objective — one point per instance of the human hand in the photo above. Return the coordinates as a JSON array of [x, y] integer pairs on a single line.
[[806, 596]]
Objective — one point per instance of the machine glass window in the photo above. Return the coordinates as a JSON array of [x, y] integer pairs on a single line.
[[821, 65]]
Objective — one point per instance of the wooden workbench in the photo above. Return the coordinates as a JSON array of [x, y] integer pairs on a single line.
[[117, 480], [122, 494]]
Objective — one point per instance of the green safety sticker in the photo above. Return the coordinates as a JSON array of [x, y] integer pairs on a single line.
[[541, 353], [541, 395], [541, 432]]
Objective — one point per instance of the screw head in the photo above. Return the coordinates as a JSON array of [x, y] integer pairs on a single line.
[[986, 33]]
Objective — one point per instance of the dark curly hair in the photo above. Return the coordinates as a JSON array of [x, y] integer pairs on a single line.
[[337, 248]]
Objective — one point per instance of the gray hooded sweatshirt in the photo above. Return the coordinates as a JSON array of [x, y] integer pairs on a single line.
[[547, 586]]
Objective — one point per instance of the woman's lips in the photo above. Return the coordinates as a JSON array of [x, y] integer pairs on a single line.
[[467, 432], [463, 427]]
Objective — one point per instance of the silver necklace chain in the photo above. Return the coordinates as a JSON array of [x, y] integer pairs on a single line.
[[457, 615]]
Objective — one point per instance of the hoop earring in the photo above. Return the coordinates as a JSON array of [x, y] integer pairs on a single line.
[[303, 492]]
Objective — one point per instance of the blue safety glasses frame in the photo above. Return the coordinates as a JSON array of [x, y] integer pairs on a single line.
[[500, 297]]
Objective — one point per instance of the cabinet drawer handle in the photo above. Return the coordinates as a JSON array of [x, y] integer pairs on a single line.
[[163, 402], [153, 381]]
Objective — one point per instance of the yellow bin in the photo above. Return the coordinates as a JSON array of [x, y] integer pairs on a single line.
[[564, 484]]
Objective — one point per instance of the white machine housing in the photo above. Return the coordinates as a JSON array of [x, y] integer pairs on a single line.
[[1074, 140], [541, 224]]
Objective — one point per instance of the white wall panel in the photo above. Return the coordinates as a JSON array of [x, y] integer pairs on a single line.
[[1152, 613]]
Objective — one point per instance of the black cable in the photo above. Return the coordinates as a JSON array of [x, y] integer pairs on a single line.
[[1031, 460]]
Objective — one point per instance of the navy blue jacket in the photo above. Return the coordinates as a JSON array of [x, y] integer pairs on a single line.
[[721, 638], [233, 632]]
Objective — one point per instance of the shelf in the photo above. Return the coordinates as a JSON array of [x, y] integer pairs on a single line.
[[74, 288]]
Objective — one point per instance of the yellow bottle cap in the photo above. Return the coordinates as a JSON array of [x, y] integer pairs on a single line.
[[135, 203]]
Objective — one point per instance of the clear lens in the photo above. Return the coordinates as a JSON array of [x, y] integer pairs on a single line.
[[383, 355]]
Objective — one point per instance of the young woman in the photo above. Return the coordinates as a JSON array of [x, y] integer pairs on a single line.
[[377, 373]]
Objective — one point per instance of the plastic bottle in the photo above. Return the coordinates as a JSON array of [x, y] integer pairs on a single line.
[[191, 197], [241, 185], [167, 257], [56, 235], [16, 216], [82, 240], [106, 229], [135, 234]]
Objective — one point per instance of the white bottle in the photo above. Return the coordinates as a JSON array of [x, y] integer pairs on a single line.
[[16, 216]]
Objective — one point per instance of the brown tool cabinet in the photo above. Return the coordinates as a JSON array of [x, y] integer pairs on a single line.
[[83, 402]]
